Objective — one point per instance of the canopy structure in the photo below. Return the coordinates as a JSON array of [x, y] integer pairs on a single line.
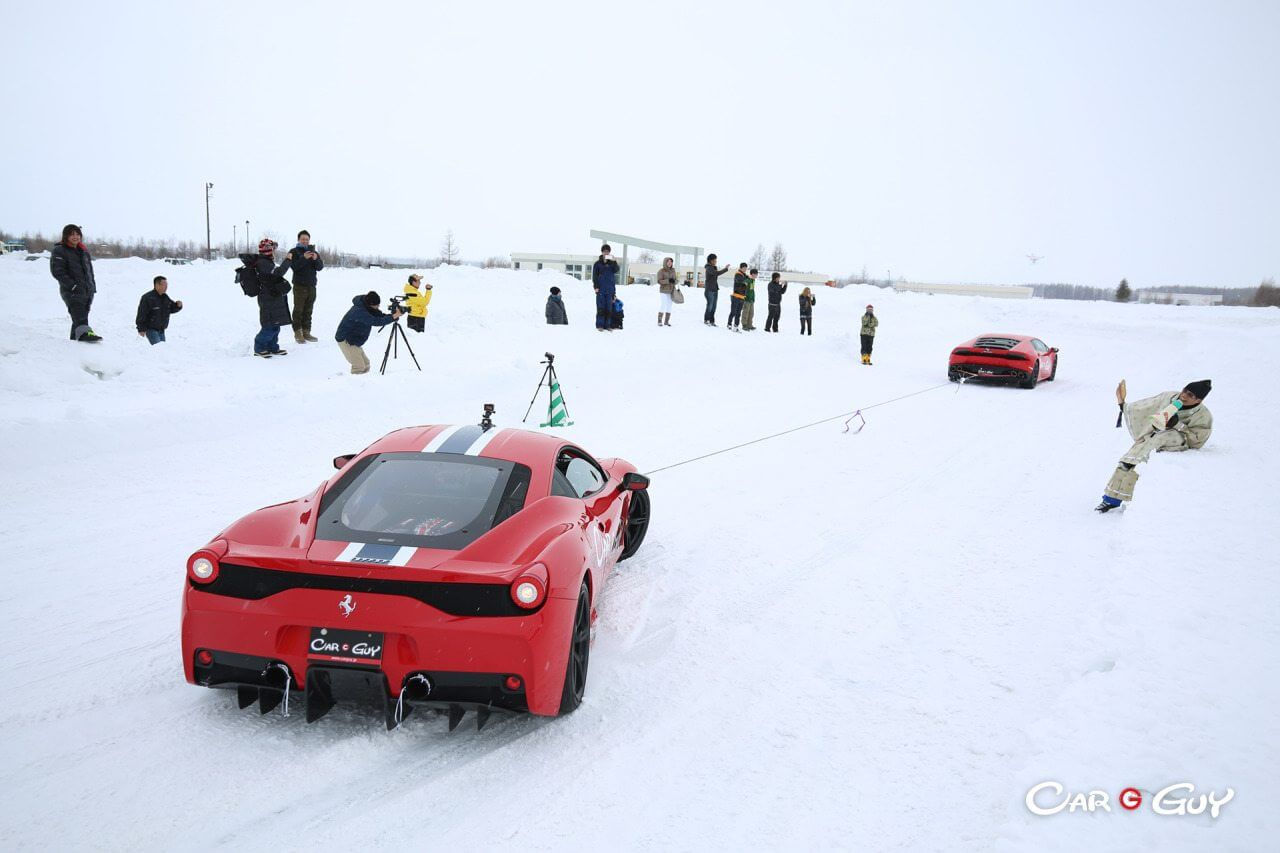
[[666, 248]]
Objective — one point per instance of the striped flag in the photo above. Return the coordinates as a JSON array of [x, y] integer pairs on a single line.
[[557, 414]]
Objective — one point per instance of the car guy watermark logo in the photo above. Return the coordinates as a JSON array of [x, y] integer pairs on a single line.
[[347, 606], [1050, 798]]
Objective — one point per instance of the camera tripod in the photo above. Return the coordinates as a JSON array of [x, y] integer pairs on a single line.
[[393, 347], [557, 411]]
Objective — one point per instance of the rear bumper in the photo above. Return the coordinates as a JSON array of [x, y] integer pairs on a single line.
[[466, 659], [994, 369]]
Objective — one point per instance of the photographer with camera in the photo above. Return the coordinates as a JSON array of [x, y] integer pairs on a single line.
[[305, 263], [417, 300], [358, 322], [604, 279]]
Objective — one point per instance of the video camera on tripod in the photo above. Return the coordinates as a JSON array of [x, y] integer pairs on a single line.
[[397, 304]]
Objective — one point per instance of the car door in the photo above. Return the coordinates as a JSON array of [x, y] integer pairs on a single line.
[[601, 520], [1042, 352]]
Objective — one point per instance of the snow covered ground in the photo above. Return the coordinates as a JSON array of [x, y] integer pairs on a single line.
[[872, 641]]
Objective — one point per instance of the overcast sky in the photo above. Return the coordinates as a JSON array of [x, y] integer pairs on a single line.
[[943, 141]]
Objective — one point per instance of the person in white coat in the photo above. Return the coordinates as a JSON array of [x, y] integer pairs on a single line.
[[1169, 421]]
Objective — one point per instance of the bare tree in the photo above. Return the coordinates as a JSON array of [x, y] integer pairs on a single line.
[[497, 262], [449, 249], [757, 257], [778, 258], [645, 257]]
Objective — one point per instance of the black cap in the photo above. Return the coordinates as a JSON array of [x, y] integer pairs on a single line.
[[372, 299], [1200, 388], [555, 290]]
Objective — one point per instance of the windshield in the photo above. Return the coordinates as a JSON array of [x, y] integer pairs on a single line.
[[427, 500]]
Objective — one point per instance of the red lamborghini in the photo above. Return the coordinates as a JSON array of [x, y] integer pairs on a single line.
[[443, 566], [1018, 358]]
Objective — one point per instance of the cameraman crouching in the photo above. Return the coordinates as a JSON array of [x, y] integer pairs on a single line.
[[356, 325]]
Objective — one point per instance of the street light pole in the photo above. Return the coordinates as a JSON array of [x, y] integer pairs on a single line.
[[246, 235], [235, 238], [208, 232]]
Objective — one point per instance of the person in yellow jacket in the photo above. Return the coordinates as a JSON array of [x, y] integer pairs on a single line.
[[417, 300]]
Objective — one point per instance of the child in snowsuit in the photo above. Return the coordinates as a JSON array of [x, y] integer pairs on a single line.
[[1169, 421], [616, 319], [417, 302], [556, 314]]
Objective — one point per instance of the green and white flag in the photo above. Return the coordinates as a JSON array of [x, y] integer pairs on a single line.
[[557, 414]]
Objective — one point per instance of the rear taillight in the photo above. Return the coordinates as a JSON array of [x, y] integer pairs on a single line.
[[202, 566], [530, 589]]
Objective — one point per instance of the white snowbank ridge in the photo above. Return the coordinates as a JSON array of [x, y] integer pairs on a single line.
[[828, 640]]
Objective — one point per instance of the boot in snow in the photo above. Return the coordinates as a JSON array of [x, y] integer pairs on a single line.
[[1108, 503], [306, 336]]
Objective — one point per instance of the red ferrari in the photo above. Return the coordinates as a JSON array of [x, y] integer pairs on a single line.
[[1008, 358], [450, 567]]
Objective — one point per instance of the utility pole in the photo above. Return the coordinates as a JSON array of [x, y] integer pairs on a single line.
[[235, 238], [246, 235], [208, 232]]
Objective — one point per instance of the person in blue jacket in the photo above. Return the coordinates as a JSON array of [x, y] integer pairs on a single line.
[[356, 325], [604, 278]]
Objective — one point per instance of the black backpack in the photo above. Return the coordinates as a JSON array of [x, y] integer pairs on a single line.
[[247, 275]]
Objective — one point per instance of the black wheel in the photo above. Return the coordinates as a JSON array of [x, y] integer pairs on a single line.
[[1053, 373], [575, 674], [1033, 377], [953, 375], [637, 525]]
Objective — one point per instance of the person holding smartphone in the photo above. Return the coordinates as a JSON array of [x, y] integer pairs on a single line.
[[604, 280], [711, 288]]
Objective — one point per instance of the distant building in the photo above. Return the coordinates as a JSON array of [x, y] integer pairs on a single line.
[[579, 266], [1000, 291], [14, 246], [1173, 297]]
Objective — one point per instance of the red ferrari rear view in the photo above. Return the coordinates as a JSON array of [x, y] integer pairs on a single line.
[[1001, 357], [450, 567]]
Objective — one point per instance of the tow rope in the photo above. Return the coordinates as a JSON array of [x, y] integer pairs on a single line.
[[856, 413]]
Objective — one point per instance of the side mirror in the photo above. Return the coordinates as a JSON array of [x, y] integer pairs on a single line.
[[340, 461], [633, 482], [1053, 349]]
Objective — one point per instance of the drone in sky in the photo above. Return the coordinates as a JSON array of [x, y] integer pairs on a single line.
[[1034, 258]]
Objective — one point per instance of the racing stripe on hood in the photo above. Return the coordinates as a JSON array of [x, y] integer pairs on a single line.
[[444, 435], [461, 439], [477, 447]]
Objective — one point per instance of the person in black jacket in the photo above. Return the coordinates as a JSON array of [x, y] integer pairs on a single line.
[[70, 264], [739, 298], [777, 287], [356, 325], [807, 301], [305, 263], [604, 279], [273, 302], [711, 288], [154, 309], [556, 314]]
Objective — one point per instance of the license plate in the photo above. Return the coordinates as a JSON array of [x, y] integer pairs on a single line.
[[363, 648]]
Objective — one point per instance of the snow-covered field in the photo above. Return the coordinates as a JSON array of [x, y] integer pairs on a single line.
[[874, 641]]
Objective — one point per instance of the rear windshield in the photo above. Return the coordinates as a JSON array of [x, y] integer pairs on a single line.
[[425, 500]]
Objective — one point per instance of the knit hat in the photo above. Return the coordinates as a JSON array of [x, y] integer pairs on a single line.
[[555, 291], [871, 307], [266, 246], [372, 299], [1200, 388]]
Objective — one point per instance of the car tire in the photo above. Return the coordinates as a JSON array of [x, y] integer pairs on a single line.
[[575, 672], [1033, 377], [953, 375], [1053, 373], [637, 525]]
